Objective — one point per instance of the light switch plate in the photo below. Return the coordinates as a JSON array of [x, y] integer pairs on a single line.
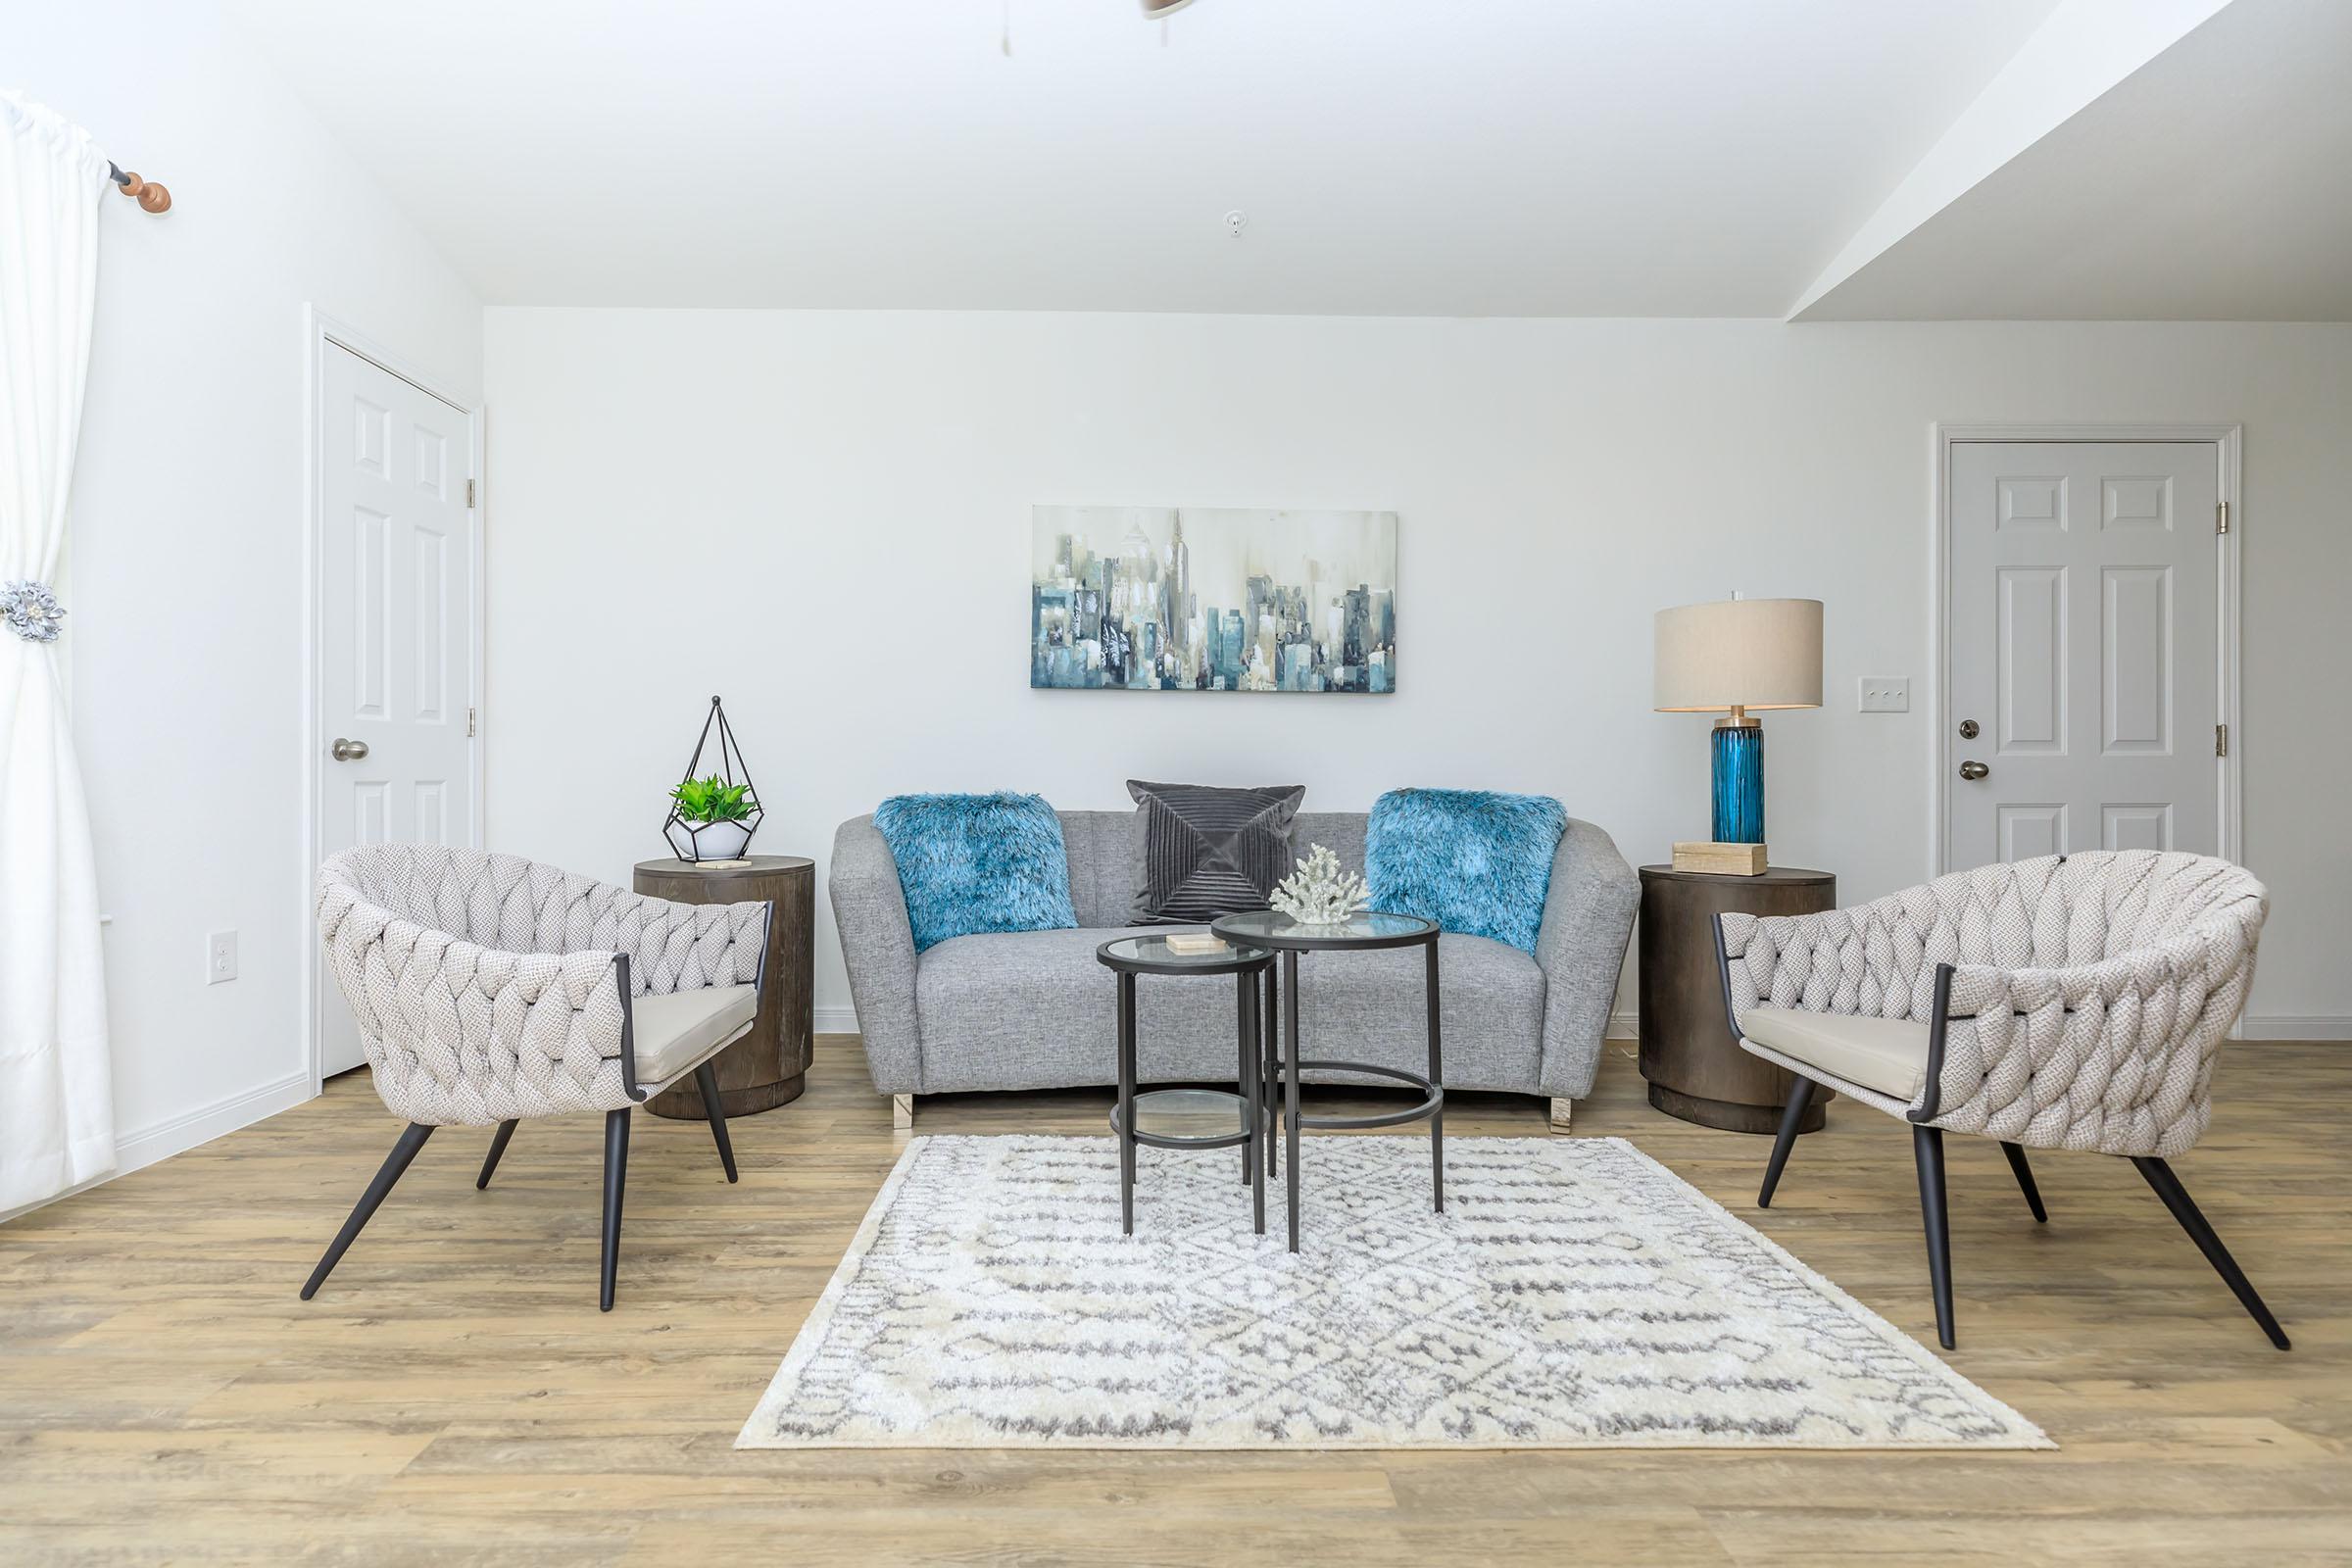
[[1886, 694], [220, 958]]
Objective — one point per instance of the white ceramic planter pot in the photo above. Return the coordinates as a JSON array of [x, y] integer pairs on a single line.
[[709, 841]]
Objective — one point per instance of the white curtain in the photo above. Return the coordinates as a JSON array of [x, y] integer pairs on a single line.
[[56, 1117]]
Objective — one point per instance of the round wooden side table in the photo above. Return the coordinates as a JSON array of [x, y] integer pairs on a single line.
[[768, 1067], [1696, 1069]]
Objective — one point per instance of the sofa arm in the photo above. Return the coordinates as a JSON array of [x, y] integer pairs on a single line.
[[1588, 920], [877, 943]]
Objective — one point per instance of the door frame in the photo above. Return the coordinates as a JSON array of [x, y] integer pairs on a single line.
[[319, 330], [2228, 441]]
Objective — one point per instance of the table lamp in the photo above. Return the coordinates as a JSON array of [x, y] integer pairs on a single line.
[[1735, 657]]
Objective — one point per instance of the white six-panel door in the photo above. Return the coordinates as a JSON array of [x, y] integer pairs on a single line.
[[396, 634], [2083, 648]]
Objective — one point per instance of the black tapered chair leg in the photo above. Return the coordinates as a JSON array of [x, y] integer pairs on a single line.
[[1800, 1096], [706, 1079], [617, 1178], [412, 1139], [2025, 1182], [498, 1146], [2185, 1209], [1927, 1150]]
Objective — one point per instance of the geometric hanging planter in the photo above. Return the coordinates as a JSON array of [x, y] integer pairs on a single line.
[[713, 814]]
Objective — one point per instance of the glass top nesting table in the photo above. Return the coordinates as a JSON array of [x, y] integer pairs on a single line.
[[1190, 1118], [1369, 929]]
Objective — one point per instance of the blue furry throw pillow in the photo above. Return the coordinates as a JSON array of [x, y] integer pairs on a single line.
[[978, 862], [1473, 860]]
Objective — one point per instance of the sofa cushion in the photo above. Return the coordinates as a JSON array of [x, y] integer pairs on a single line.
[[1474, 860], [1204, 851], [1035, 1011], [1888, 1054], [977, 863], [673, 1031]]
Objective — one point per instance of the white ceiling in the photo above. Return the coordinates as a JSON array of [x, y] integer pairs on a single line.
[[1446, 156], [2214, 183], [1409, 157]]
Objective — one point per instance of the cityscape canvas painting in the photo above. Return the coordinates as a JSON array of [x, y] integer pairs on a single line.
[[1210, 600]]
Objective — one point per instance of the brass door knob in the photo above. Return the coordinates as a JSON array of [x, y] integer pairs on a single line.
[[1972, 772], [344, 750]]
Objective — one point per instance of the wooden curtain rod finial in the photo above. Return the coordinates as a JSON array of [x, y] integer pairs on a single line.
[[150, 196]]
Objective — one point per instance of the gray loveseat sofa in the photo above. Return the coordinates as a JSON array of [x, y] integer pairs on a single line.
[[1033, 1009]]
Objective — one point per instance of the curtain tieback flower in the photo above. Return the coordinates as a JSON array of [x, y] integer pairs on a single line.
[[30, 610]]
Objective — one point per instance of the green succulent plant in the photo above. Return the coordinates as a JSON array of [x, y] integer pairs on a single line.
[[713, 799]]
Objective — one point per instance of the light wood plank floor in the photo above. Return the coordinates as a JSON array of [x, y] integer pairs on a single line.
[[454, 1395]]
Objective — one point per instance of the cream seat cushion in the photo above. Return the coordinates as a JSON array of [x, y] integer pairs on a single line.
[[675, 1031], [1888, 1054]]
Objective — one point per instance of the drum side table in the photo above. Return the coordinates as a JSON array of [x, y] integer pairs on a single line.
[[768, 1067], [1696, 1070]]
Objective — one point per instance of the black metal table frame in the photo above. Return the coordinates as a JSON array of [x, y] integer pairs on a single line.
[[1282, 1001], [1249, 1099]]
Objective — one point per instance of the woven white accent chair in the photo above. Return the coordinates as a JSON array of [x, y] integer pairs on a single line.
[[2070, 1002], [489, 988]]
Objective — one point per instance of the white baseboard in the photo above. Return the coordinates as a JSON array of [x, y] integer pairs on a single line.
[[136, 1150], [836, 1020], [2285, 1026], [1625, 1026], [179, 1134]]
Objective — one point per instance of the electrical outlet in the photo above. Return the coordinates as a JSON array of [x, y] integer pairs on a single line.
[[1886, 694], [220, 958]]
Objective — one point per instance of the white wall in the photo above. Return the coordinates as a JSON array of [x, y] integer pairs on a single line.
[[825, 517], [184, 579]]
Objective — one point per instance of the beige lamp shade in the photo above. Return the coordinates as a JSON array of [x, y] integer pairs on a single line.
[[1739, 653]]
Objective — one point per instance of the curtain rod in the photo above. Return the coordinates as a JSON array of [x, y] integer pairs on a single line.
[[150, 196]]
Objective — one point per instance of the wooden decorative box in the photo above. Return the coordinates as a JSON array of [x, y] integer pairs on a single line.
[[1195, 944], [1720, 859]]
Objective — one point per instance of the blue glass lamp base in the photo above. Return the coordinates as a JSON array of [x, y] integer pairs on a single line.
[[1739, 771]]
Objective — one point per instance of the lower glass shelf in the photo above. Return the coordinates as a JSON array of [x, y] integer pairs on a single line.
[[1186, 1115]]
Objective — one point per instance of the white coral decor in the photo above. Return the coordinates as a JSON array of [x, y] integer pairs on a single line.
[[1319, 893]]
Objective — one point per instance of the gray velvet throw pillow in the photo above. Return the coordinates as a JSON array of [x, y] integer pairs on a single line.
[[1206, 851]]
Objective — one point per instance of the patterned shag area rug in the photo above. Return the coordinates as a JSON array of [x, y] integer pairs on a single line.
[[1574, 1294]]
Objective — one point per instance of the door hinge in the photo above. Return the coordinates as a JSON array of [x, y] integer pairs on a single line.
[[2221, 518], [469, 502], [469, 721], [2221, 740]]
